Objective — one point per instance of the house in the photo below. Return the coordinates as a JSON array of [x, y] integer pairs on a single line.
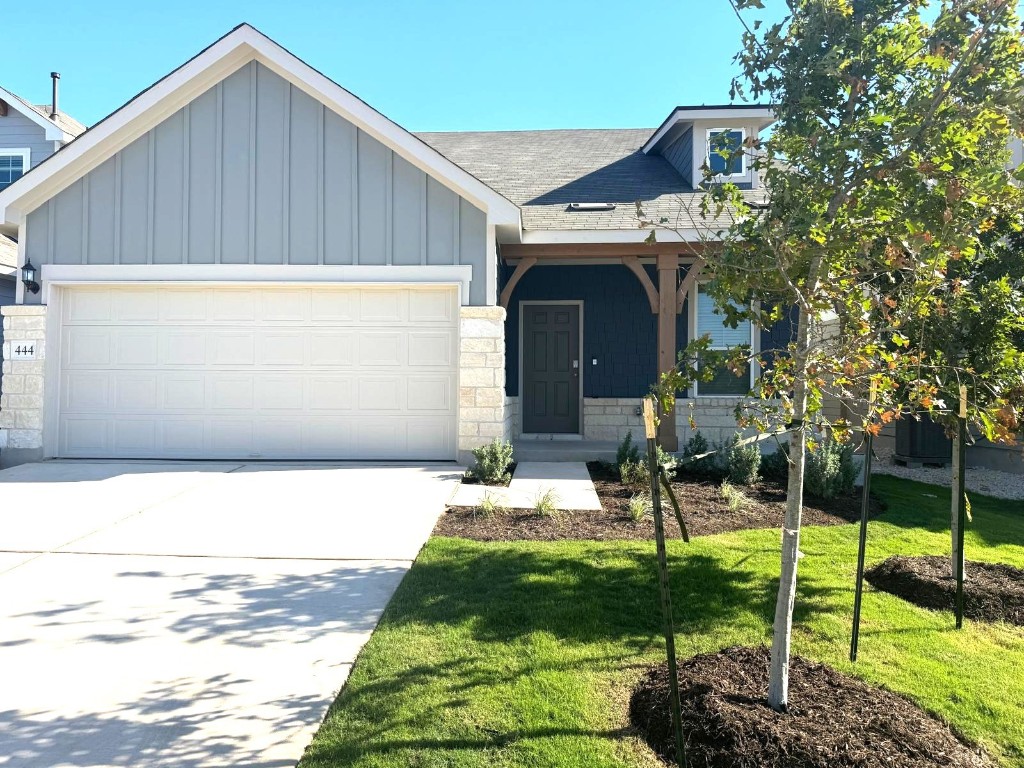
[[248, 261], [29, 133]]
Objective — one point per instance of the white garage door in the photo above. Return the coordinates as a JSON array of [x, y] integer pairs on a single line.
[[268, 372]]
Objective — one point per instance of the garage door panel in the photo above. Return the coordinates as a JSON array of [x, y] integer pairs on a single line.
[[332, 393], [280, 393], [134, 305], [89, 305], [430, 393], [179, 348], [231, 393], [134, 437], [259, 372], [84, 392], [183, 393], [381, 349], [86, 436], [283, 348], [183, 305], [179, 436], [334, 307], [136, 348], [382, 393], [432, 348], [383, 306], [86, 347], [334, 349], [287, 305], [233, 305], [136, 392], [430, 307], [232, 348]]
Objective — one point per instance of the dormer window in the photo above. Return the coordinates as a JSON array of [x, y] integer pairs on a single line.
[[725, 152], [13, 165]]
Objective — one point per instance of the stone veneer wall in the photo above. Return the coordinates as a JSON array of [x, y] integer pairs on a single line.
[[611, 418], [21, 405], [481, 378], [512, 429]]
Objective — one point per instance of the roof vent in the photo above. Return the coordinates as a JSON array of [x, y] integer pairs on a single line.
[[591, 206]]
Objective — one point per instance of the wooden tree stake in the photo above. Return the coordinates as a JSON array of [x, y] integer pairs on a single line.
[[961, 447], [863, 542], [650, 428]]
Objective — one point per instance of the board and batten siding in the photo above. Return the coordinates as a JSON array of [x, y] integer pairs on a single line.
[[18, 132], [255, 171]]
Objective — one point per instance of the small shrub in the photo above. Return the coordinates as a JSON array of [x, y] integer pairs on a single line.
[[705, 467], [492, 462], [490, 505], [635, 474], [546, 503], [830, 471], [639, 507], [742, 461], [734, 498], [775, 466], [628, 451]]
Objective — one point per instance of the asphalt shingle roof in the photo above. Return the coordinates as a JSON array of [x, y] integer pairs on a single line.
[[544, 171]]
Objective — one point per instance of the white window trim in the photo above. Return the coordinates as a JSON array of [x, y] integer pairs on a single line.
[[24, 154], [743, 155], [754, 370]]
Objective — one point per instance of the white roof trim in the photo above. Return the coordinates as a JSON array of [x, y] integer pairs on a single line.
[[231, 52], [762, 116], [53, 131], [586, 236]]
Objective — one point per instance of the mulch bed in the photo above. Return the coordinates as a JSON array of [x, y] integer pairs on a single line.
[[834, 721], [992, 591], [704, 512]]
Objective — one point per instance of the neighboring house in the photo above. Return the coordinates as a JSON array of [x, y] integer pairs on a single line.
[[29, 134], [247, 261]]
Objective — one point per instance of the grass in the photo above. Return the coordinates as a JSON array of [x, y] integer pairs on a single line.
[[522, 654]]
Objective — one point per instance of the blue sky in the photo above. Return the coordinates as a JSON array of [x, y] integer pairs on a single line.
[[429, 65]]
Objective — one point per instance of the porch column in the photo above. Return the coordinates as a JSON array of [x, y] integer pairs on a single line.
[[668, 270]]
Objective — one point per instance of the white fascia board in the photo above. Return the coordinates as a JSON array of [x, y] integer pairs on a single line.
[[177, 89], [233, 274], [588, 236], [762, 117], [53, 131]]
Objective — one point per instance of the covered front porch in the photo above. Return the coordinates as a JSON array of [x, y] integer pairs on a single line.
[[589, 329]]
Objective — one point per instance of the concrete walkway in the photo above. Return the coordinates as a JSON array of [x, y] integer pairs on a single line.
[[569, 482], [193, 615]]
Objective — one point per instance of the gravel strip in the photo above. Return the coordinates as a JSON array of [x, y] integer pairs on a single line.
[[991, 482]]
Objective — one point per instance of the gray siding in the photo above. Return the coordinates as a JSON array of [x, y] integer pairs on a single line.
[[680, 153], [254, 171], [18, 132]]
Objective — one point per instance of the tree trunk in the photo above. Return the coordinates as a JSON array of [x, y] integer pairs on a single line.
[[778, 684]]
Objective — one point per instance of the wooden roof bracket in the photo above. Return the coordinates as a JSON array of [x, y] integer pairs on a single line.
[[632, 263], [687, 282], [521, 268]]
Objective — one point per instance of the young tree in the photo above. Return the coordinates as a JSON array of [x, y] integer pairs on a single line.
[[884, 166]]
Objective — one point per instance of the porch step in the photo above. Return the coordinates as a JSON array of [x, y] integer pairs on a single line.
[[564, 450]]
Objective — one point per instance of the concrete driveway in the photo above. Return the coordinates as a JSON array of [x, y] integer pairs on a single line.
[[193, 615]]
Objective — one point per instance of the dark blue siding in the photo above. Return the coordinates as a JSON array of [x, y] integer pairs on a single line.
[[618, 326]]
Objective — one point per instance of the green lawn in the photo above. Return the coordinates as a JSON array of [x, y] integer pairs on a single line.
[[522, 654]]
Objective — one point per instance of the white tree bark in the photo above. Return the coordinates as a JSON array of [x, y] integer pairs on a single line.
[[782, 636]]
